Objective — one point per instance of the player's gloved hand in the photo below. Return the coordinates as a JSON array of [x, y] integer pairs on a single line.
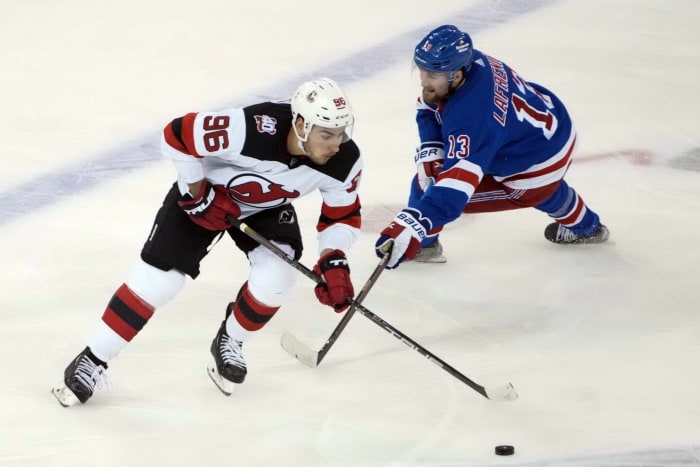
[[429, 160], [337, 290], [210, 207], [407, 230]]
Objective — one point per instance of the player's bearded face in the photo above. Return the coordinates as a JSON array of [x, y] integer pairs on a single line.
[[435, 86], [324, 143]]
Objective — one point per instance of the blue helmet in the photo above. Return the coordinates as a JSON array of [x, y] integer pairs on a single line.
[[445, 49]]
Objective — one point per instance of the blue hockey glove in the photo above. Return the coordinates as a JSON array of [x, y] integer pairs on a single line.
[[407, 230]]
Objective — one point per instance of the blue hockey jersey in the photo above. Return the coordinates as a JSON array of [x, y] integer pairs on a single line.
[[498, 124]]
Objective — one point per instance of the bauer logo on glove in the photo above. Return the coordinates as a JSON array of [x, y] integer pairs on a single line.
[[407, 230], [414, 224]]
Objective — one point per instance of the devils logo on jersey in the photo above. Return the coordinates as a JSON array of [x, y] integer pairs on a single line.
[[286, 217], [257, 191]]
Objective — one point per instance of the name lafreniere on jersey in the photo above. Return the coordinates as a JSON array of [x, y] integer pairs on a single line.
[[500, 90]]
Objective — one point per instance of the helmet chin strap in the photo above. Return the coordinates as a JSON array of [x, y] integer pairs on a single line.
[[300, 141]]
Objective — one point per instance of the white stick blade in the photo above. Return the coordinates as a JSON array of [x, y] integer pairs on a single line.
[[502, 394], [299, 350]]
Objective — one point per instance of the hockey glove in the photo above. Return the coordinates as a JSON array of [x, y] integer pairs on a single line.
[[337, 291], [210, 207], [429, 160], [407, 230]]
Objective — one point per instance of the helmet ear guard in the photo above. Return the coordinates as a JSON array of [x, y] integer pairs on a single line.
[[445, 49], [321, 102]]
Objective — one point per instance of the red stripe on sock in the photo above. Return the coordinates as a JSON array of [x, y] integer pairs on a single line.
[[118, 325], [250, 313], [571, 219], [134, 302], [131, 316]]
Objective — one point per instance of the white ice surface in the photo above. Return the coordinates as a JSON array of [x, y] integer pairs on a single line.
[[602, 343]]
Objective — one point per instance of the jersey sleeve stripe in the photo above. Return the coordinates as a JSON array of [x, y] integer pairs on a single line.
[[171, 133], [464, 176], [348, 215], [179, 134]]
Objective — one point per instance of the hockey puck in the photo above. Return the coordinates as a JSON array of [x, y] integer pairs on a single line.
[[505, 450]]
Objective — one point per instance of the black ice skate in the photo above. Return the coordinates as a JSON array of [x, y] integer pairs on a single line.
[[557, 233], [82, 376], [229, 366], [430, 254]]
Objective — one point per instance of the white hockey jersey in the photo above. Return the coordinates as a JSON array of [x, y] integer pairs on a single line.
[[245, 150]]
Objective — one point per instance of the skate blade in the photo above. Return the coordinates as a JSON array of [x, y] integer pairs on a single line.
[[435, 259], [224, 385], [65, 396]]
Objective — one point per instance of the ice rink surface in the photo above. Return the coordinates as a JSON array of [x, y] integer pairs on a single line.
[[602, 343]]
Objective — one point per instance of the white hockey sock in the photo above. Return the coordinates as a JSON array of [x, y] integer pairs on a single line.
[[105, 343]]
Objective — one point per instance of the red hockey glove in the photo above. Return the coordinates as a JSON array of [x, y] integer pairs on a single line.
[[337, 291], [429, 160], [210, 207], [407, 230]]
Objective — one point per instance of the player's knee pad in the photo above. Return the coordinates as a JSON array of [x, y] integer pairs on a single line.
[[271, 279], [155, 286]]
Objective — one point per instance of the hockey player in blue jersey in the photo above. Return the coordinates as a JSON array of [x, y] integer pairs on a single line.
[[490, 141]]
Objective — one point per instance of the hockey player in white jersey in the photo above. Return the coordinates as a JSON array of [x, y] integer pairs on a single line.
[[251, 163]]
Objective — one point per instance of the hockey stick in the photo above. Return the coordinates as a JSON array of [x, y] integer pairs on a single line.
[[289, 342], [499, 394], [310, 357]]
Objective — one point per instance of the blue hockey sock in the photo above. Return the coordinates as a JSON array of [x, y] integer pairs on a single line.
[[567, 208]]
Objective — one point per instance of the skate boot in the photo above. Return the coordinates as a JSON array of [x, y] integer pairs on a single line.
[[228, 368], [557, 233], [82, 376], [430, 254]]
